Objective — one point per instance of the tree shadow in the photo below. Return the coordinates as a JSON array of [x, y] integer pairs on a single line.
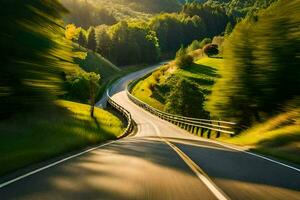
[[202, 69]]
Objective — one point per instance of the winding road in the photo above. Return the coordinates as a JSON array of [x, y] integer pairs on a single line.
[[159, 162]]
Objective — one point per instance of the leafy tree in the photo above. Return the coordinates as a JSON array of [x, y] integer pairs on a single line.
[[193, 46], [204, 42], [91, 39], [93, 89], [215, 18], [72, 32], [128, 43], [183, 59], [211, 49], [84, 87], [187, 100]]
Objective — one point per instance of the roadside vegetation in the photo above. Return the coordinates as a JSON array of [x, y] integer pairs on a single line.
[[35, 124], [253, 81], [162, 89], [63, 127]]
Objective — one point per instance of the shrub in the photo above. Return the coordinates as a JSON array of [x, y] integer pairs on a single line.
[[211, 49]]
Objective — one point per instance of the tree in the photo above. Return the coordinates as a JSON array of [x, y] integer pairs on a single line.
[[187, 100], [204, 42], [72, 32], [82, 39], [91, 39], [183, 59], [262, 67], [228, 29], [93, 89], [33, 61], [193, 46], [211, 49]]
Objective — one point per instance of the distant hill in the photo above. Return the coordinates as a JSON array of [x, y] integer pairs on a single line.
[[87, 13]]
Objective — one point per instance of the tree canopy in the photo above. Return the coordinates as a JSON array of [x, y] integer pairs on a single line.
[[34, 53], [261, 71]]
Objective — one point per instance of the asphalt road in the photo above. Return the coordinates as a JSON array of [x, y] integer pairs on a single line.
[[160, 162]]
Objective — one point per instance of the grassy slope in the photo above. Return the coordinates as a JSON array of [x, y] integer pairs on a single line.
[[93, 62], [30, 139], [278, 137], [203, 72]]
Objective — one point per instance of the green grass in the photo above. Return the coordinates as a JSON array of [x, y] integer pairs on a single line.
[[93, 62], [154, 89], [30, 139], [278, 137]]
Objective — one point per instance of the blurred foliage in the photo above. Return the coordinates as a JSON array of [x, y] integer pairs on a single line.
[[261, 73], [34, 54], [85, 14]]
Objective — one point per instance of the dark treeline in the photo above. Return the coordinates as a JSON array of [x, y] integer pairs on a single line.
[[138, 41], [261, 75], [215, 18], [34, 53]]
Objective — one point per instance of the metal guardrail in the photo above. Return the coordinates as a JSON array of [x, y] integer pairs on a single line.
[[125, 113], [192, 125]]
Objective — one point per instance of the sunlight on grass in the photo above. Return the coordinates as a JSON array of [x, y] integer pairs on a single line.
[[142, 91], [65, 128], [279, 137], [203, 73]]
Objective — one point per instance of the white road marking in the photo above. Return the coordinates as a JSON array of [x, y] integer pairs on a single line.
[[200, 173], [52, 164], [219, 194], [240, 150], [260, 156]]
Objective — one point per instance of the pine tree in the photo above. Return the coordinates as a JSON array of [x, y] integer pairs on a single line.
[[92, 43], [82, 39]]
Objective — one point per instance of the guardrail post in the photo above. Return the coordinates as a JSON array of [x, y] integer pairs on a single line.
[[202, 132], [208, 134], [197, 130], [193, 129], [218, 132]]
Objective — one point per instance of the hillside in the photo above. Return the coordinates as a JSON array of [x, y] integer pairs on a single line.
[[161, 86], [95, 12]]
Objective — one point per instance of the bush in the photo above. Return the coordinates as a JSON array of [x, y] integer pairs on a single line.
[[183, 59], [211, 49]]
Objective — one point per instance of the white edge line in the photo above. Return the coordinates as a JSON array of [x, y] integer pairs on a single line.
[[52, 164], [259, 156], [241, 150], [211, 186]]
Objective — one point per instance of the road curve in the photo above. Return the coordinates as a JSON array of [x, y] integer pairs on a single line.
[[160, 162]]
